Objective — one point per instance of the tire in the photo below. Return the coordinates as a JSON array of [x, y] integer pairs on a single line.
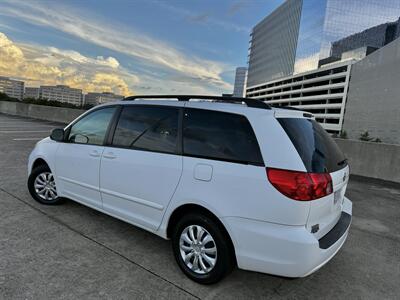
[[41, 186], [204, 272]]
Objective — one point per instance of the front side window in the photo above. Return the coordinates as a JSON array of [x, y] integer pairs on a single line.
[[219, 135], [151, 128], [92, 128]]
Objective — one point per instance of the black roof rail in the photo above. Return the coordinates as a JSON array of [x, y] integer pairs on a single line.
[[248, 101]]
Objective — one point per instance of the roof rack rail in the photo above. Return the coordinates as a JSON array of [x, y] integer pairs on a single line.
[[248, 101]]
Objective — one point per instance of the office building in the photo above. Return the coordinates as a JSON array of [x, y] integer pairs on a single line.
[[272, 46], [12, 88], [363, 43], [300, 33], [100, 98], [239, 88], [32, 93], [62, 93]]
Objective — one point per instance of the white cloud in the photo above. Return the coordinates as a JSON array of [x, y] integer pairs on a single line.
[[150, 51], [77, 57], [39, 65]]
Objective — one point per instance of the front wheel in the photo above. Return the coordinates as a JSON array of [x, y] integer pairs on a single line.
[[42, 186], [202, 249]]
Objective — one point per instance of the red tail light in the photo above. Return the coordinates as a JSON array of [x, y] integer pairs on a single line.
[[300, 186]]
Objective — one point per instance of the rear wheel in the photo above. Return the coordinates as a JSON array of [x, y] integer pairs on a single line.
[[42, 186], [201, 249]]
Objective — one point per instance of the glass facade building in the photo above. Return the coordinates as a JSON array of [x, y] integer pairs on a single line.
[[300, 34], [273, 44]]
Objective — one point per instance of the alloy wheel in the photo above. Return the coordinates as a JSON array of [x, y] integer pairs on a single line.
[[198, 249], [45, 186]]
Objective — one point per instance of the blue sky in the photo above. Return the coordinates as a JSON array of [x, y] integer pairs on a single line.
[[128, 46]]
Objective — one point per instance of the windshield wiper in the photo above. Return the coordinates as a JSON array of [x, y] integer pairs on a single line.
[[342, 162]]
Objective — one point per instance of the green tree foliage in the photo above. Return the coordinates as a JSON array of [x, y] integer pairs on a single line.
[[365, 136], [343, 134], [4, 97]]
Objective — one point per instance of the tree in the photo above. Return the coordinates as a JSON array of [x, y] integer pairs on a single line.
[[5, 97], [343, 134], [365, 136]]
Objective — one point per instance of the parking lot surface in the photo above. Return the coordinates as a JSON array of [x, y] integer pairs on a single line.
[[73, 252]]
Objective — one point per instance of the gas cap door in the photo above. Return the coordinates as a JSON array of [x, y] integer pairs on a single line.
[[203, 172]]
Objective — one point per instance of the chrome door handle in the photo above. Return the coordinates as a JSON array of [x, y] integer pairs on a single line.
[[109, 155], [94, 153]]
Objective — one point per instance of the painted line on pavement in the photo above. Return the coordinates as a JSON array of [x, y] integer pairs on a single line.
[[22, 131], [28, 139]]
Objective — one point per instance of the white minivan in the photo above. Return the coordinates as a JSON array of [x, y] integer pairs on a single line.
[[231, 181]]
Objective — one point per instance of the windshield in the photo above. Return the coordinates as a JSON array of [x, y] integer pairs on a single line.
[[315, 146]]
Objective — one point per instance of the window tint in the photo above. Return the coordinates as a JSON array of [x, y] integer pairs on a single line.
[[316, 148], [148, 127], [219, 135], [92, 128]]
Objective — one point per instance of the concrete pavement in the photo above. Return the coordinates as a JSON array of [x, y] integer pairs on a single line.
[[73, 252]]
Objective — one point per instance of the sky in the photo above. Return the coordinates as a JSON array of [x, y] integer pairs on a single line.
[[129, 46]]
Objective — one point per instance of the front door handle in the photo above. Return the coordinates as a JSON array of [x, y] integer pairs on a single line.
[[94, 153], [109, 155]]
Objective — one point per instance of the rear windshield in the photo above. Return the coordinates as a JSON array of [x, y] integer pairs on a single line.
[[316, 148]]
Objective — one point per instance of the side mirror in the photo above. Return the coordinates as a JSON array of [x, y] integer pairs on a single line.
[[57, 135]]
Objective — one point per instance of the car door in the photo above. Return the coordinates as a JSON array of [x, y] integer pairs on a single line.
[[141, 167], [78, 158]]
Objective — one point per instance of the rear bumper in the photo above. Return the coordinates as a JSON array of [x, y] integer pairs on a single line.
[[289, 251]]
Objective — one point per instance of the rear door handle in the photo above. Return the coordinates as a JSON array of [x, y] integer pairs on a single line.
[[109, 155], [94, 153]]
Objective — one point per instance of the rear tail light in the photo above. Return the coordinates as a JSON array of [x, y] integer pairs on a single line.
[[300, 186]]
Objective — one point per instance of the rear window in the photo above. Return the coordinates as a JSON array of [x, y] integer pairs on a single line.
[[219, 135], [316, 148]]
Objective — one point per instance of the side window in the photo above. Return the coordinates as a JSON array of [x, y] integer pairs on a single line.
[[150, 128], [92, 128], [219, 135]]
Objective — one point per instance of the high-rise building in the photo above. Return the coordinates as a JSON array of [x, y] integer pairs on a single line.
[[240, 82], [12, 88], [62, 93], [363, 43], [100, 98], [273, 42], [32, 92], [300, 33]]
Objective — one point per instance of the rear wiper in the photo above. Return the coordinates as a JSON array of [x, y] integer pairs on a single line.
[[342, 162]]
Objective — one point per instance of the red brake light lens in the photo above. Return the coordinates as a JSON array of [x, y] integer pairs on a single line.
[[300, 186]]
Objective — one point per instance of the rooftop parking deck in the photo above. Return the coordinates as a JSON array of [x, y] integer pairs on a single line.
[[72, 252]]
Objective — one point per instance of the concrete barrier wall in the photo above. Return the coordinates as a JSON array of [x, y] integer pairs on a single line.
[[42, 112], [375, 160]]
